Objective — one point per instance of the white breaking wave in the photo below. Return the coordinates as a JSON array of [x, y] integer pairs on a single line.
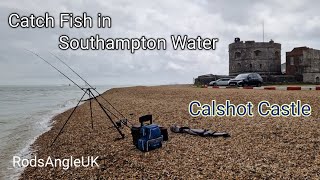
[[43, 125], [25, 114]]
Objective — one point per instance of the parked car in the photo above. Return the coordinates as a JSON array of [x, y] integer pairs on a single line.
[[247, 79], [220, 82]]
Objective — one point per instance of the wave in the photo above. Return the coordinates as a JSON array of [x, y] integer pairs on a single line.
[[40, 122]]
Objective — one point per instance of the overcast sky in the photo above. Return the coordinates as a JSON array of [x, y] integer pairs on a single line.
[[294, 23]]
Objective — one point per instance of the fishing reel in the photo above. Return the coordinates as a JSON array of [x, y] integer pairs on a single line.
[[121, 123]]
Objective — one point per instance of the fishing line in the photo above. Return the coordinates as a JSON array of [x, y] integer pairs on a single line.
[[90, 87]]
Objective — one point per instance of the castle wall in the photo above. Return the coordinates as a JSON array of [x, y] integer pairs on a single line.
[[311, 64], [260, 57]]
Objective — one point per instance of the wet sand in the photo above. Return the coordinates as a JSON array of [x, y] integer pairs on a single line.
[[286, 147]]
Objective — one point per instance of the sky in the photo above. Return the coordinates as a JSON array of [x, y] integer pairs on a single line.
[[292, 24]]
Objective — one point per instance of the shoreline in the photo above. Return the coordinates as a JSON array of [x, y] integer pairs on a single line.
[[251, 140], [48, 120], [27, 111]]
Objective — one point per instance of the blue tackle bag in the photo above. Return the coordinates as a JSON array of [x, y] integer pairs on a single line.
[[150, 138]]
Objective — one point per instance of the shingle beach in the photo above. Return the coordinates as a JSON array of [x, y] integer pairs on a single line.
[[259, 147]]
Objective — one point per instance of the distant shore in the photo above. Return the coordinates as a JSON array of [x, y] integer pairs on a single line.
[[258, 147]]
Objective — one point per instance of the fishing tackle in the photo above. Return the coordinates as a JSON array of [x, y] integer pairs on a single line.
[[87, 91]]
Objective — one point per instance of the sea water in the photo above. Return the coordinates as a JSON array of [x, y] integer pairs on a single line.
[[25, 113]]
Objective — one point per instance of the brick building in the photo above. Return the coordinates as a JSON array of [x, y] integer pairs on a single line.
[[294, 62], [304, 63]]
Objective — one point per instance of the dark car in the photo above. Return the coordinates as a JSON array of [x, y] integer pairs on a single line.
[[247, 79]]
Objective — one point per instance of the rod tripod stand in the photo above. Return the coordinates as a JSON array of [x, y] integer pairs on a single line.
[[88, 91]]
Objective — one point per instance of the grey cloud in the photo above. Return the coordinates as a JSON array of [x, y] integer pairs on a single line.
[[291, 24]]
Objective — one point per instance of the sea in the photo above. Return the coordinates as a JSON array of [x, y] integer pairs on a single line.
[[25, 113]]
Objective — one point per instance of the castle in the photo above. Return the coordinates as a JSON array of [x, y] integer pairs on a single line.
[[260, 57], [302, 63]]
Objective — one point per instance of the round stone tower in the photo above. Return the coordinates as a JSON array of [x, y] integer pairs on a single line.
[[249, 56]]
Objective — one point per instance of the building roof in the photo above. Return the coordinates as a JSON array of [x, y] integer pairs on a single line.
[[297, 51]]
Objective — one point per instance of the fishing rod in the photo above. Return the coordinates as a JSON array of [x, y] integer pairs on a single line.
[[70, 68], [54, 68], [86, 91], [66, 77], [87, 83]]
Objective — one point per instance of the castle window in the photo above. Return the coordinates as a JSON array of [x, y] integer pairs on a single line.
[[239, 65], [257, 52], [250, 66], [260, 66], [277, 54], [237, 55], [291, 61]]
